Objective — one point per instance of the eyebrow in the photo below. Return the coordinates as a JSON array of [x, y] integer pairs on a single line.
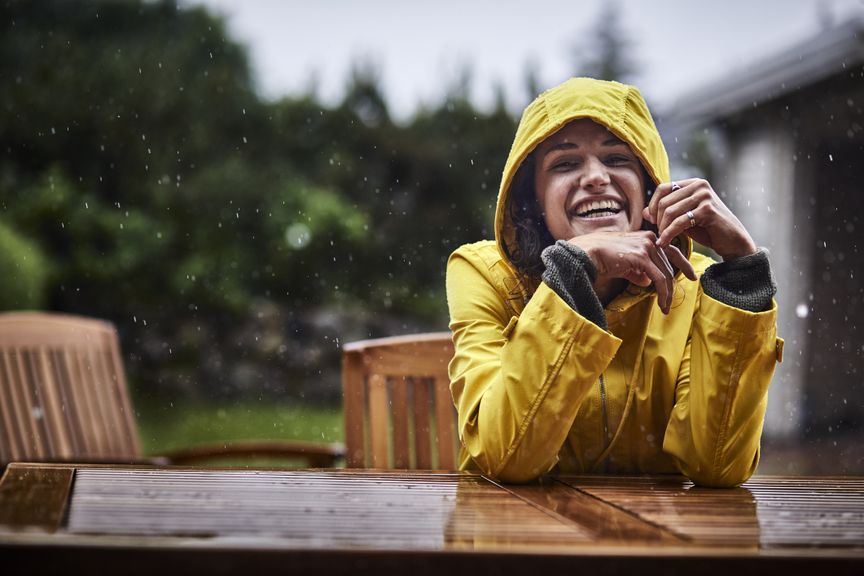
[[613, 141]]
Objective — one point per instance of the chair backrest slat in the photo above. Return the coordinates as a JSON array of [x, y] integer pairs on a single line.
[[53, 406], [13, 435], [379, 420], [393, 419], [399, 413], [116, 376], [83, 400], [37, 401], [62, 390], [103, 424], [354, 406], [62, 378], [422, 431], [22, 405], [7, 431]]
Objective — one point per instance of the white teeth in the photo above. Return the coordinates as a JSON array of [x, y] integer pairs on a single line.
[[593, 205]]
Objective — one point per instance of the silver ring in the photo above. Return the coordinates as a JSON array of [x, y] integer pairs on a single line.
[[675, 186], [692, 219]]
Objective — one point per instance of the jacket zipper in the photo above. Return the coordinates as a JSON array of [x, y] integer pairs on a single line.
[[605, 417]]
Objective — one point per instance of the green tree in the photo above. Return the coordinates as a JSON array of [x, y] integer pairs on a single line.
[[232, 240], [24, 269], [606, 51]]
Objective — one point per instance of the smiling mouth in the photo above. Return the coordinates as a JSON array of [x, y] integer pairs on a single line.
[[598, 209]]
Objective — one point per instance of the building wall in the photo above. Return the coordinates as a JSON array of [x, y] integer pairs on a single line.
[[835, 368], [757, 181], [792, 171]]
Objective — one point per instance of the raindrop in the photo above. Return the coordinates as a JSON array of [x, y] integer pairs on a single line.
[[802, 311], [298, 236]]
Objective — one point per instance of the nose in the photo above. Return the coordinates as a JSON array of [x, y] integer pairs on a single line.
[[596, 177]]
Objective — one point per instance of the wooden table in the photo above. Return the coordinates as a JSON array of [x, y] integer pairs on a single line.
[[67, 519]]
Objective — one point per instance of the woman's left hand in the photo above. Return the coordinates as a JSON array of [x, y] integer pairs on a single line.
[[692, 207]]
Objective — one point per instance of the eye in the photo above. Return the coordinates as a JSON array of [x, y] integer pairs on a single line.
[[617, 160], [565, 164]]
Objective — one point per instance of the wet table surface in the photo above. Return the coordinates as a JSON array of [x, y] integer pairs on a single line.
[[77, 518]]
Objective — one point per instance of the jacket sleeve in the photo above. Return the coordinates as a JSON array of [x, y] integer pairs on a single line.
[[721, 393], [517, 382]]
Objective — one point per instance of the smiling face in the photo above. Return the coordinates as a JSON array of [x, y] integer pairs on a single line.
[[588, 180]]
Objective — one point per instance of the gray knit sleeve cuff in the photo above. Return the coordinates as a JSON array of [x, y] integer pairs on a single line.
[[571, 274], [745, 282]]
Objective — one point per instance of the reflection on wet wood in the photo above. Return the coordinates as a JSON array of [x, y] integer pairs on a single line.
[[487, 517], [312, 509], [764, 513], [595, 517], [34, 498], [701, 515]]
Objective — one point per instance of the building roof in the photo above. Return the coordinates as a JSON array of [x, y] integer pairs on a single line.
[[830, 52]]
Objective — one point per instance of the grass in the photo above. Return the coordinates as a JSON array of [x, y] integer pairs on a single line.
[[179, 426]]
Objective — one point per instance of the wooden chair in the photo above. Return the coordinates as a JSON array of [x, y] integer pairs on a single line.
[[398, 409], [63, 397]]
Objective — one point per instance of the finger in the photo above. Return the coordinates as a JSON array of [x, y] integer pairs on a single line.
[[667, 277], [662, 191], [661, 287], [650, 265], [650, 212], [638, 277], [675, 203], [677, 259], [689, 219]]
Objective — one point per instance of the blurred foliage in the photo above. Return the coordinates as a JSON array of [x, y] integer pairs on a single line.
[[234, 241], [606, 51], [24, 270]]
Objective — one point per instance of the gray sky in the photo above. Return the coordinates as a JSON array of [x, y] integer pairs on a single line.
[[421, 48]]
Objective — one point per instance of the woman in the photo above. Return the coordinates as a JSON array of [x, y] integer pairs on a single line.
[[588, 336]]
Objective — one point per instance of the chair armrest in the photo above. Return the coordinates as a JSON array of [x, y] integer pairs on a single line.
[[316, 454]]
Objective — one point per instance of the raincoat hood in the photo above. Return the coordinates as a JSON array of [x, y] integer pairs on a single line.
[[618, 107]]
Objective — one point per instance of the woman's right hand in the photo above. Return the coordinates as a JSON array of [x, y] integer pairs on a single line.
[[635, 257]]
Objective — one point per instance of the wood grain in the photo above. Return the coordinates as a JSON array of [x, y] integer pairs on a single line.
[[34, 498], [392, 417]]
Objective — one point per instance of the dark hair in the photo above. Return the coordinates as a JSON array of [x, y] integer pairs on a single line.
[[532, 235]]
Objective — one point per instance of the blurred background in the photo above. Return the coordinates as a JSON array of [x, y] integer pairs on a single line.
[[242, 187]]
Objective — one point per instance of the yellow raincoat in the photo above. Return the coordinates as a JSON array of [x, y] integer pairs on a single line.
[[683, 392]]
